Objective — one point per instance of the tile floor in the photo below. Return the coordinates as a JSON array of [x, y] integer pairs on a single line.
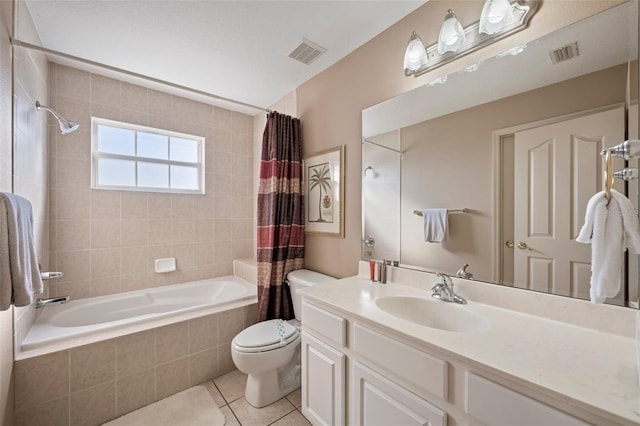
[[228, 392]]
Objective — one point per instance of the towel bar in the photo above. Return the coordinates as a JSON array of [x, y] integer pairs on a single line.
[[420, 212]]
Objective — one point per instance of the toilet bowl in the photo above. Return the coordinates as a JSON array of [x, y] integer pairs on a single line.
[[269, 352]]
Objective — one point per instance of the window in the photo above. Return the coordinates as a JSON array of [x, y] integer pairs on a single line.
[[137, 158]]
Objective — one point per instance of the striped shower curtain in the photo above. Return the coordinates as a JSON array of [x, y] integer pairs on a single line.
[[280, 215]]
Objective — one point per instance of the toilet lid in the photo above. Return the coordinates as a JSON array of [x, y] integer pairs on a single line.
[[266, 333]]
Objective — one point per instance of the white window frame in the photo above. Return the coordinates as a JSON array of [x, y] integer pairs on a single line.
[[96, 155]]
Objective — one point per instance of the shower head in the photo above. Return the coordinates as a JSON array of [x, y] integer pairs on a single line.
[[66, 126]]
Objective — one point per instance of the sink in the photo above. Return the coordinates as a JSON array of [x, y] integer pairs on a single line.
[[434, 314]]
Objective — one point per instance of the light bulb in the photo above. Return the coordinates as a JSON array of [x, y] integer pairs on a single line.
[[451, 34], [415, 56], [496, 15]]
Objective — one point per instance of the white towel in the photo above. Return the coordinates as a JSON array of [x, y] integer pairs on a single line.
[[435, 225], [611, 230], [19, 273]]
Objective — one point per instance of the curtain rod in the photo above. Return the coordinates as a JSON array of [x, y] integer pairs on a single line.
[[16, 42]]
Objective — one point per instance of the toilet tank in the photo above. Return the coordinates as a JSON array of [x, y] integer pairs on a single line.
[[304, 278]]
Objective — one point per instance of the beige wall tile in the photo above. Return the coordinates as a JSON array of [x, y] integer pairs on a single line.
[[105, 263], [225, 360], [105, 234], [78, 109], [184, 255], [105, 286], [159, 206], [41, 379], [172, 342], [182, 206], [203, 254], [72, 83], [75, 289], [203, 333], [72, 173], [94, 406], [159, 103], [181, 231], [222, 141], [134, 232], [203, 366], [134, 205], [135, 352], [203, 272], [52, 413], [134, 260], [202, 207], [203, 231], [105, 205], [135, 391], [221, 207], [222, 185], [105, 90], [71, 235], [222, 252], [230, 323], [133, 97], [172, 377], [75, 265], [105, 111], [73, 146], [73, 204], [92, 365], [159, 232], [222, 119], [133, 282]]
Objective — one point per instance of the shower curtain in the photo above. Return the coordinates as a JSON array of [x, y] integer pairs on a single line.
[[280, 215]]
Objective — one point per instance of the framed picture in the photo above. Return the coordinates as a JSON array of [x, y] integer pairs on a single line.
[[324, 192]]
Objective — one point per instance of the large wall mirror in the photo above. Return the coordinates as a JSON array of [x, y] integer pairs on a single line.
[[511, 146]]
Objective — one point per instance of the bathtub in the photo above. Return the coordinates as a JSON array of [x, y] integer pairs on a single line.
[[90, 320]]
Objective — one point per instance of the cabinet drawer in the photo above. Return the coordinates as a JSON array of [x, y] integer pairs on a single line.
[[418, 368], [329, 325], [496, 405]]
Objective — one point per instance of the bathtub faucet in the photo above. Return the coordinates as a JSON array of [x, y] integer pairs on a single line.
[[54, 300]]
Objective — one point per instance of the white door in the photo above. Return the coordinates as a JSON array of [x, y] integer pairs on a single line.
[[323, 382], [558, 168], [379, 401]]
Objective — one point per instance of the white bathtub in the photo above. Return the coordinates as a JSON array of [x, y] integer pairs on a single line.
[[85, 321]]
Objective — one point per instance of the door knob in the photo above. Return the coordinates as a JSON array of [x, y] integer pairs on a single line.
[[509, 244], [523, 246]]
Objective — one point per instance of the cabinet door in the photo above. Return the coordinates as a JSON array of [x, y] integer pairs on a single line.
[[323, 382], [379, 401]]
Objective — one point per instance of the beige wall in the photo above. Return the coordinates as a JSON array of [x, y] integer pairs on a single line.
[[449, 165], [330, 104], [6, 317], [106, 241]]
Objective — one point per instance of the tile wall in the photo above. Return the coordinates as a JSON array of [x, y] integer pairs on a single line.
[[105, 242], [96, 383]]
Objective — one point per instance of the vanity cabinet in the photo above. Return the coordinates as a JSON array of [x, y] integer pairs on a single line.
[[354, 372]]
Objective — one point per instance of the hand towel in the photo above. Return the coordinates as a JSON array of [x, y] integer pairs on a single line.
[[435, 225], [20, 278], [610, 229]]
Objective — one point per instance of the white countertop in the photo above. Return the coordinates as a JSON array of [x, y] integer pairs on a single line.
[[593, 369]]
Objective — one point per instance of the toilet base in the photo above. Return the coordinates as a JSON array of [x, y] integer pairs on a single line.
[[266, 388]]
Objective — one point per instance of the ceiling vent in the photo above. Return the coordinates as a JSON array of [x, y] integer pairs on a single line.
[[307, 52], [565, 53]]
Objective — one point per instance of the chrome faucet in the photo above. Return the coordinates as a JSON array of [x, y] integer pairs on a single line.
[[444, 291], [462, 272], [54, 300]]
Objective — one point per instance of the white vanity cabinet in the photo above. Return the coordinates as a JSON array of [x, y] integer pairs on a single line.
[[323, 366], [373, 397], [354, 372]]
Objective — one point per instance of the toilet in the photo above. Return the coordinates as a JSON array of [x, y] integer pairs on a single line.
[[269, 352]]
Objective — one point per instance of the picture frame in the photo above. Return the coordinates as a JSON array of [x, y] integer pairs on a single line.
[[324, 192]]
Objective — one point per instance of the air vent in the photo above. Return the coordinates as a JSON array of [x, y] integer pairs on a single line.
[[307, 52], [565, 53]]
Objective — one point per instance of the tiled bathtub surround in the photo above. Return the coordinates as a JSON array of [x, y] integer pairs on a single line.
[[95, 383], [105, 241]]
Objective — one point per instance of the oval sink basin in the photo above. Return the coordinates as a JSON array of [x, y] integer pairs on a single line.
[[434, 314]]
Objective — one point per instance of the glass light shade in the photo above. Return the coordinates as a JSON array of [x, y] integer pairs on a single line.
[[496, 15], [415, 56], [451, 34]]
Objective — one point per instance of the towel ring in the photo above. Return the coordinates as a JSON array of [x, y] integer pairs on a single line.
[[609, 179]]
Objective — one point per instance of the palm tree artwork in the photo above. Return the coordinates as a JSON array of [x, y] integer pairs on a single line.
[[320, 177]]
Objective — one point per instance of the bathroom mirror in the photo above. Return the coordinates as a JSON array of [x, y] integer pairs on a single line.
[[487, 140]]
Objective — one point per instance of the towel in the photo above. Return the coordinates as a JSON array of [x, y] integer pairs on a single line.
[[435, 225], [19, 272], [611, 230]]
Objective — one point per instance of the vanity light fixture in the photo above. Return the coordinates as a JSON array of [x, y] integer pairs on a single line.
[[496, 15], [499, 19], [451, 34]]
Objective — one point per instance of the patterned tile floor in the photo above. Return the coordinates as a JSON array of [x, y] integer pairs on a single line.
[[228, 392]]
